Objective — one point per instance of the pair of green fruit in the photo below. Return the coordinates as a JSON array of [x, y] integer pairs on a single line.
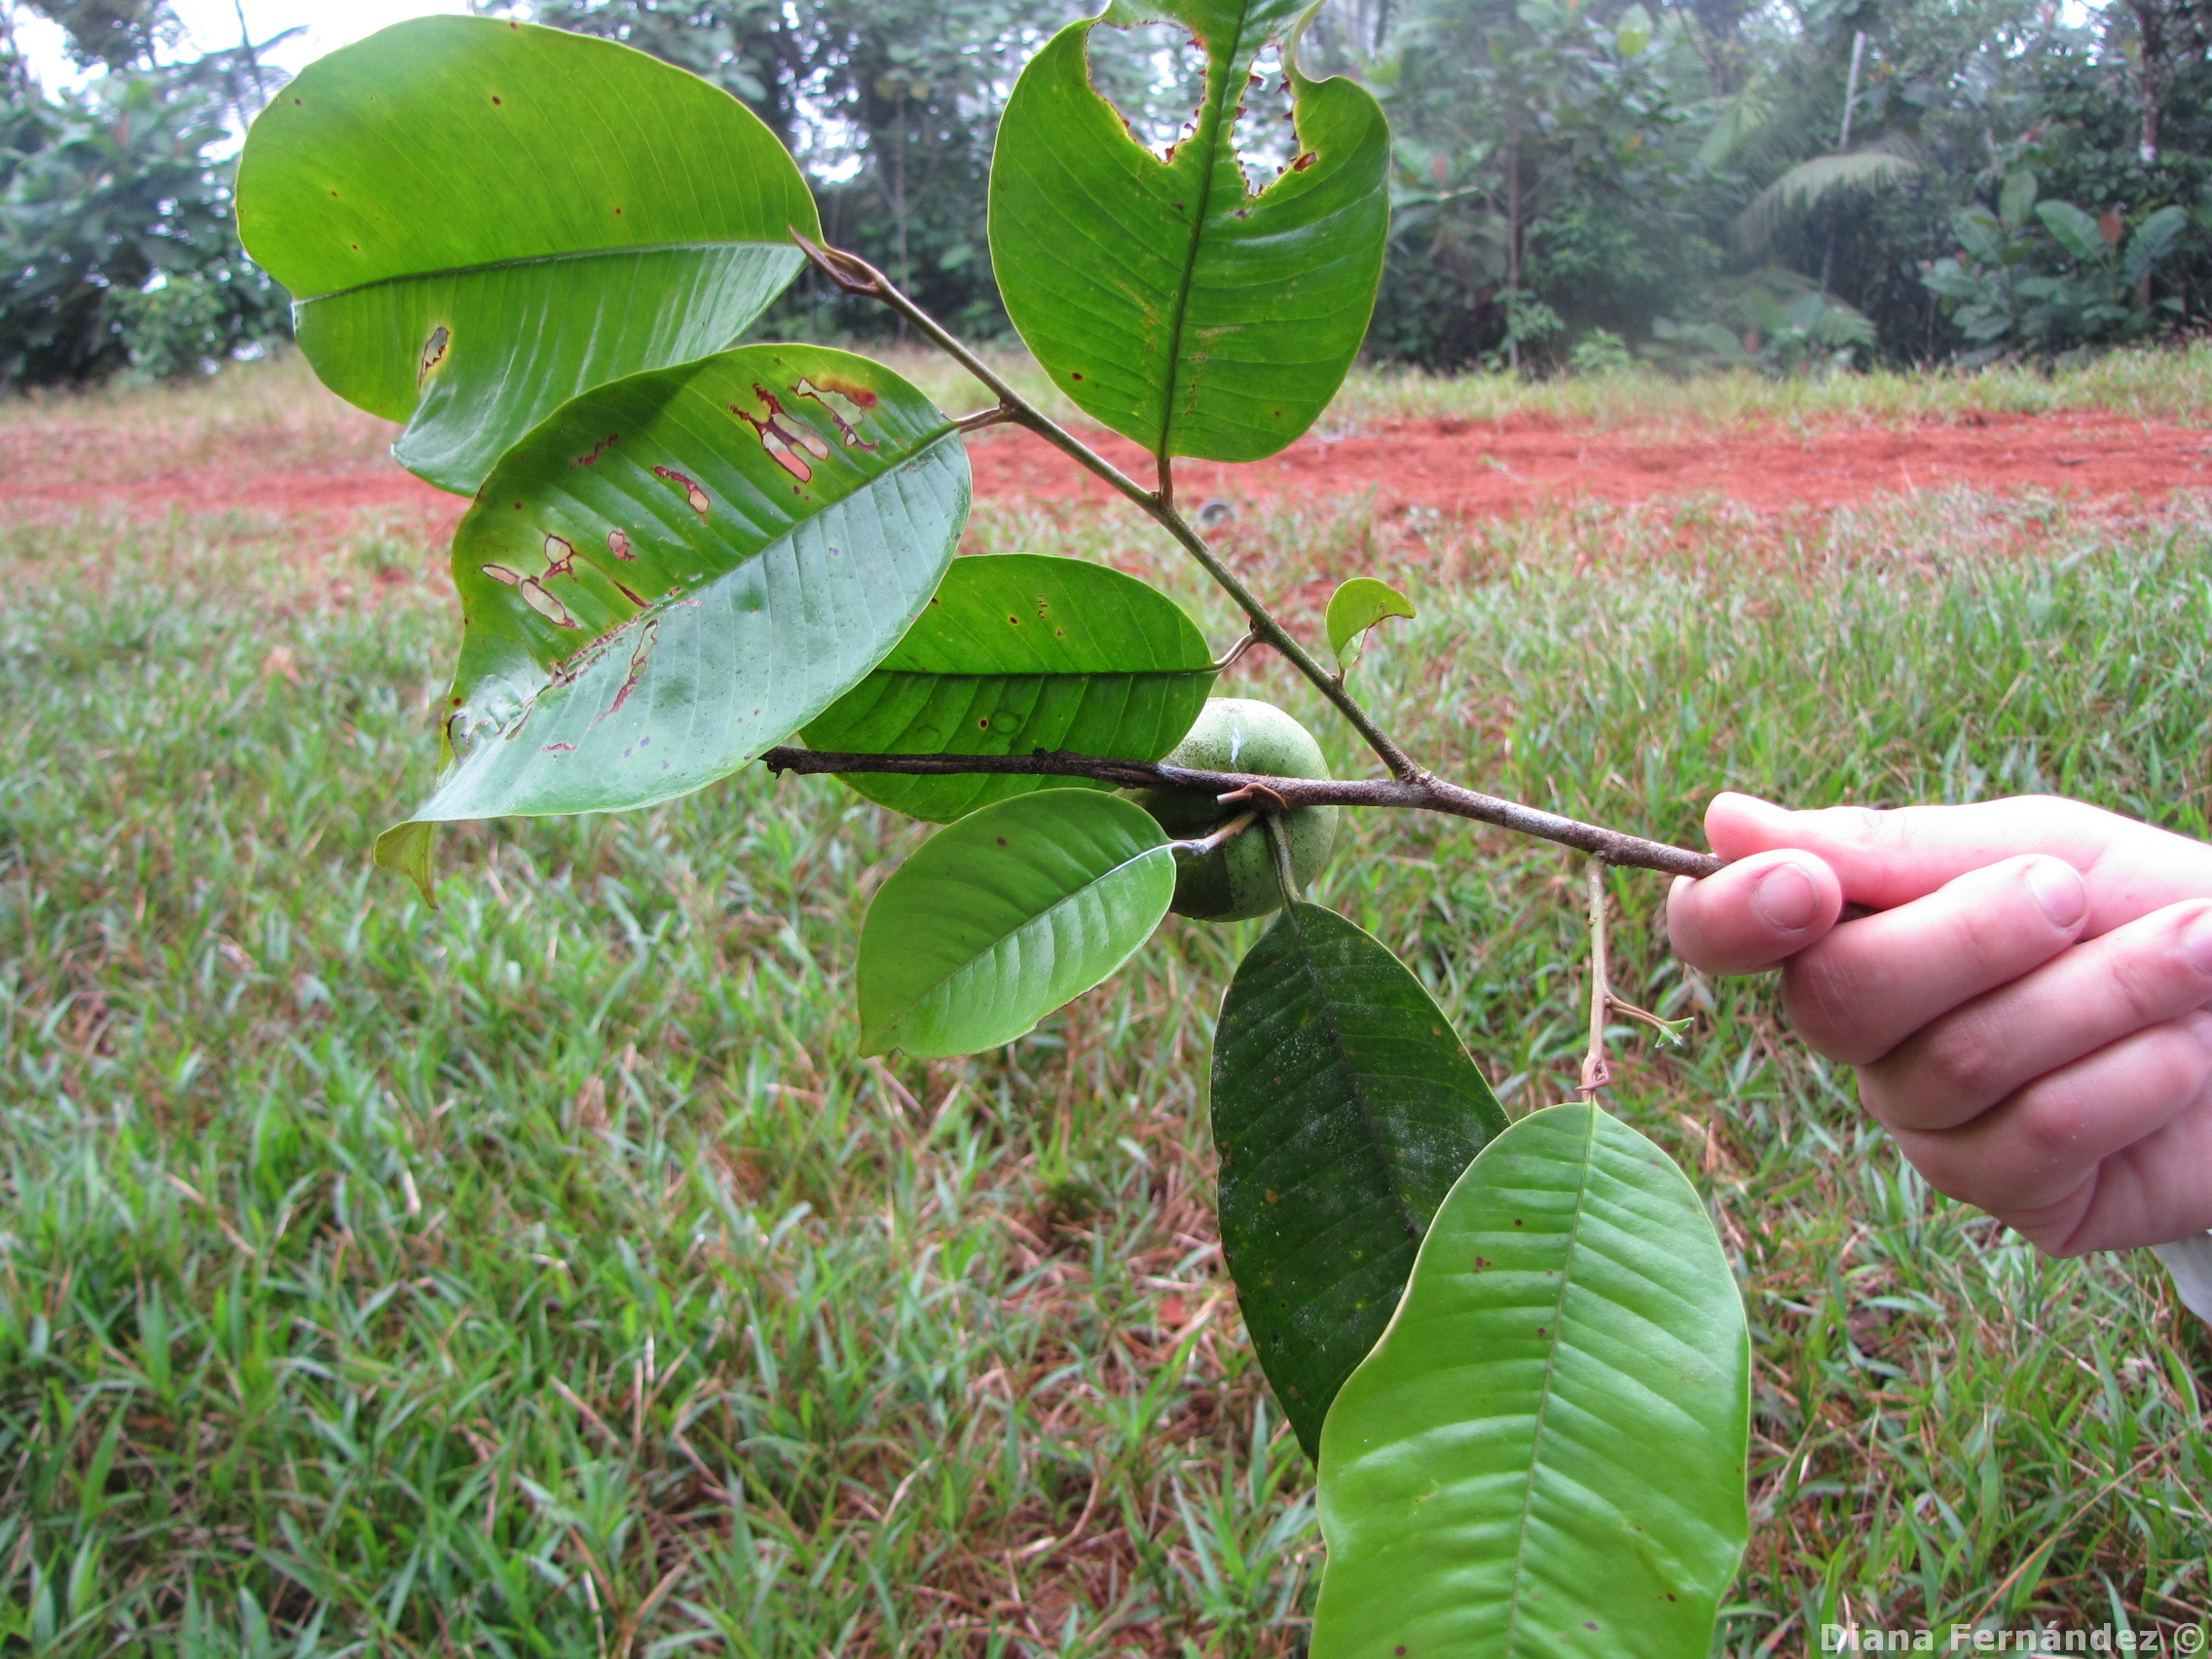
[[1238, 878]]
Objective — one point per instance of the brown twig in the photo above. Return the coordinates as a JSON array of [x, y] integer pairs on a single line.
[[1426, 795], [1596, 1071], [856, 276]]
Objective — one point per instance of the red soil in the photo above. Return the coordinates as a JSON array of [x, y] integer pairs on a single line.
[[1474, 467]]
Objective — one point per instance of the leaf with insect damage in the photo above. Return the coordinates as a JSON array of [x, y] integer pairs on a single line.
[[1343, 1109], [1545, 1454], [677, 570], [1357, 606], [1000, 918], [1020, 652], [1169, 299], [484, 218]]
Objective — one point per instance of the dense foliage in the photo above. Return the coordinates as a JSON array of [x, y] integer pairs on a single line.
[[1575, 185]]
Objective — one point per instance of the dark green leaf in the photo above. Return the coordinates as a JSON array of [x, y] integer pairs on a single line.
[[1004, 916], [1343, 1109], [1545, 1455], [1165, 298], [2076, 231], [679, 568], [485, 218], [1019, 652]]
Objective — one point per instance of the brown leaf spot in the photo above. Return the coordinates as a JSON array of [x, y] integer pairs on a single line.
[[560, 558], [545, 604], [618, 544], [500, 574], [433, 350], [1299, 163], [696, 496]]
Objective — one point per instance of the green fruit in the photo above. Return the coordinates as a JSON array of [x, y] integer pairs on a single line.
[[1237, 878]]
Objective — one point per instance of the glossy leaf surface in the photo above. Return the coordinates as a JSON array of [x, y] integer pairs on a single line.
[[1018, 652], [1545, 1455], [484, 218], [1357, 606], [680, 568], [1169, 300], [1343, 1109], [1004, 916]]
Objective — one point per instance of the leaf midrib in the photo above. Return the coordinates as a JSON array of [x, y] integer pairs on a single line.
[[575, 254], [1551, 1371], [1210, 163], [1414, 1226], [1064, 900], [668, 603]]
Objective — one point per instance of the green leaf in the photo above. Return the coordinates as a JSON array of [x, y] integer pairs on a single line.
[[1357, 606], [411, 850], [485, 218], [2017, 196], [1165, 298], [1343, 1109], [2076, 231], [1004, 916], [678, 569], [2152, 240], [1019, 652], [1545, 1454], [1633, 33]]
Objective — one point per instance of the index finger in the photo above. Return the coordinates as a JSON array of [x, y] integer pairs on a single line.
[[1885, 859]]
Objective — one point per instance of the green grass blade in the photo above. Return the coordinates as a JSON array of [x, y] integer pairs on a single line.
[[483, 218], [1545, 1455], [677, 570], [1343, 1109], [1005, 916], [1166, 298], [1017, 653]]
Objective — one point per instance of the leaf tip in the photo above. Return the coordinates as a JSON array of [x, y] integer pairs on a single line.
[[408, 848]]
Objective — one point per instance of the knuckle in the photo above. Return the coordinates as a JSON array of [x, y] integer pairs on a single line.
[[1968, 1058], [1824, 993]]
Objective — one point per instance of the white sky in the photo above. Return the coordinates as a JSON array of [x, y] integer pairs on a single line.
[[213, 25]]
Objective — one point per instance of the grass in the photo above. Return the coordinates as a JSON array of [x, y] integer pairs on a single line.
[[544, 1275]]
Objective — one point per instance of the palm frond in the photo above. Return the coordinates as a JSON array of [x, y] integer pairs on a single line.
[[1809, 183]]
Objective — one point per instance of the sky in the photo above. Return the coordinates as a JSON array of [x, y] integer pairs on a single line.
[[213, 25]]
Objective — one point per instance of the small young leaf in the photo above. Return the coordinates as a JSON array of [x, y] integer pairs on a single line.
[[1343, 1109], [1357, 606], [1005, 916], [1018, 652], [1545, 1454], [677, 570], [2017, 196], [484, 218], [1166, 297]]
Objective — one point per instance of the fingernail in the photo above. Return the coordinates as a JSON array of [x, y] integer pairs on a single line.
[[2059, 890], [2197, 942], [1785, 898]]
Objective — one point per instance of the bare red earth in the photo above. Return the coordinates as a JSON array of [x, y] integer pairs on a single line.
[[1462, 467]]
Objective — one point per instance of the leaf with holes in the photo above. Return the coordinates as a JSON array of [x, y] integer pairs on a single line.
[[1169, 300], [679, 568], [1544, 1456], [1005, 916], [1358, 605], [485, 218], [1019, 652], [1343, 1109]]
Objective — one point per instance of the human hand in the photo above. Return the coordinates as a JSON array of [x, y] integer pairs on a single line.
[[2029, 1009]]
